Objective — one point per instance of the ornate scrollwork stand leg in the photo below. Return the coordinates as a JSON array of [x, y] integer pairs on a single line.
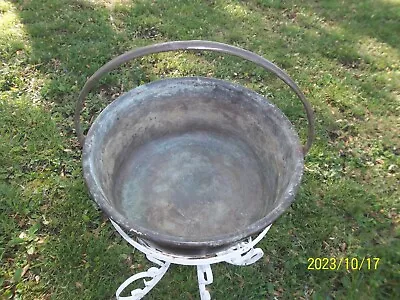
[[242, 254]]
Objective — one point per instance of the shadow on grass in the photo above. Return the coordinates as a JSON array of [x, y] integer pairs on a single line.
[[357, 37], [368, 19]]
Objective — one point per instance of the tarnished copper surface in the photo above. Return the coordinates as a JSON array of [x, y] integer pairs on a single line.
[[198, 162]]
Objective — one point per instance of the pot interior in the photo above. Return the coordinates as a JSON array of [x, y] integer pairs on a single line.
[[192, 160]]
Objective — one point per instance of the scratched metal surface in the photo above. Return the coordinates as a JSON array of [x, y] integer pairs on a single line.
[[192, 164], [195, 185]]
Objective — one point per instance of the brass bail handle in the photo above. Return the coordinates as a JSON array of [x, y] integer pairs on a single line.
[[193, 45]]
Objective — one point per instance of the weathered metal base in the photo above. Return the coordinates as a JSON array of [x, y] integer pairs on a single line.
[[242, 254], [192, 185]]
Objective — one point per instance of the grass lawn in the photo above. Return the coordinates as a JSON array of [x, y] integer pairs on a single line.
[[345, 56]]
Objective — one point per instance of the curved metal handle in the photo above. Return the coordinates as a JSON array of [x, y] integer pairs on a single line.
[[193, 45]]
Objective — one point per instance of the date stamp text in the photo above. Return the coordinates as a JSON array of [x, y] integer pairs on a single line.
[[335, 264]]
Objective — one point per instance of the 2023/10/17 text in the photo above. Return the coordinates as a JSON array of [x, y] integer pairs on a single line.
[[334, 264]]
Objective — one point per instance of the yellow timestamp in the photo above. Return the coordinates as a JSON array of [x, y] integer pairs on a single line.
[[334, 264]]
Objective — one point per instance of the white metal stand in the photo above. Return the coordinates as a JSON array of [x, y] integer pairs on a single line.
[[242, 254]]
